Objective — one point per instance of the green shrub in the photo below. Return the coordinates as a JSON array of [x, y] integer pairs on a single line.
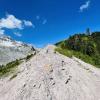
[[29, 57], [5, 69]]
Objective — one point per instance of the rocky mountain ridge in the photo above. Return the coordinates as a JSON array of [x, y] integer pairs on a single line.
[[11, 50]]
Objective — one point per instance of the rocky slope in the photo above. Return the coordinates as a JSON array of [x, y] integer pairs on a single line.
[[11, 50], [52, 76]]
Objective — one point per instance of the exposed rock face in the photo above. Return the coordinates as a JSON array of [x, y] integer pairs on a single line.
[[11, 50], [52, 76]]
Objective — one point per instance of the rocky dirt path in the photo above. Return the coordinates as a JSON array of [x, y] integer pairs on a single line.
[[52, 76]]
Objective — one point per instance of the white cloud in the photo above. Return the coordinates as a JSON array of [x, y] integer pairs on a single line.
[[11, 22], [85, 6], [28, 23], [44, 22], [2, 32], [18, 34]]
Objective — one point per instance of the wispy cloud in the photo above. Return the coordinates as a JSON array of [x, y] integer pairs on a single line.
[[27, 23], [11, 22], [44, 21], [85, 6], [18, 34]]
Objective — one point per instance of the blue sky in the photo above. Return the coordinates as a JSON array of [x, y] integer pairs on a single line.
[[40, 22]]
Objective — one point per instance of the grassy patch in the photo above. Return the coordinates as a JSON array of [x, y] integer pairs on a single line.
[[88, 59], [64, 52], [6, 69]]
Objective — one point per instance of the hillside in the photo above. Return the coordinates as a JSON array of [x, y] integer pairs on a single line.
[[83, 46], [52, 76], [10, 50]]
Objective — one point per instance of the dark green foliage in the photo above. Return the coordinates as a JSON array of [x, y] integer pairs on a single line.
[[4, 69], [29, 57], [87, 45], [96, 38]]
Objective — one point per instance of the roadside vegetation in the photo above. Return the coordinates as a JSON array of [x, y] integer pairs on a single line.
[[83, 46], [9, 68]]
